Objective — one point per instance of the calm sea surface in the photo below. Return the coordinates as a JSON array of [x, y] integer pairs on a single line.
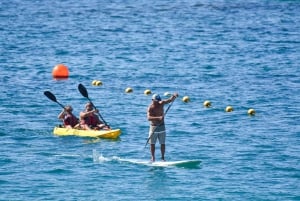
[[240, 53]]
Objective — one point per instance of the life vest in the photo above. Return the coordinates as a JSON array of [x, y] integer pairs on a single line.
[[70, 120], [91, 120]]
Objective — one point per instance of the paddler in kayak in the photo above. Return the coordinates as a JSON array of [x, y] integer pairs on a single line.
[[89, 120], [68, 118], [155, 115]]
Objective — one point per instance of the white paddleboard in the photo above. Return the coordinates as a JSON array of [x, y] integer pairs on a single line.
[[182, 163]]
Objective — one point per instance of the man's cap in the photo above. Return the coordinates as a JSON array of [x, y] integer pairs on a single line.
[[156, 97]]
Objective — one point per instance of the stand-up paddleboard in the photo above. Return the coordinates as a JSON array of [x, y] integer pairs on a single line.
[[181, 163]]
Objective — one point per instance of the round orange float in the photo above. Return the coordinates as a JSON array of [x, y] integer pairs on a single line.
[[60, 71]]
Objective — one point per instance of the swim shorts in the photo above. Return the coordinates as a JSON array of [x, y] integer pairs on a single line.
[[157, 132]]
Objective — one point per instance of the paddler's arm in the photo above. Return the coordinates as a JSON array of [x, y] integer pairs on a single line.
[[61, 115], [85, 114], [169, 100], [154, 118]]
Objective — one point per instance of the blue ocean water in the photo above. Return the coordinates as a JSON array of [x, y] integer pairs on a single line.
[[240, 53]]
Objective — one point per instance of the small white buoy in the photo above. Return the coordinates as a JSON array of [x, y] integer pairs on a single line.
[[98, 83], [147, 92], [251, 112], [186, 99], [94, 82], [207, 103], [167, 94], [128, 90], [229, 109]]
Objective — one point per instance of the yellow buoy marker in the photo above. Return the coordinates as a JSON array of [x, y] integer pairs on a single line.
[[207, 103], [147, 92], [186, 99], [98, 83], [229, 109], [94, 82], [251, 112], [128, 90]]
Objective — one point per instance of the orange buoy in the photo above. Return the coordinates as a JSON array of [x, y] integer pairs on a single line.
[[60, 71]]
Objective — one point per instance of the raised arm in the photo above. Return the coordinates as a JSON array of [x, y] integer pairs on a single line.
[[172, 98]]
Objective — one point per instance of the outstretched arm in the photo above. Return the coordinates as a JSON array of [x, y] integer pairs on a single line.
[[172, 98]]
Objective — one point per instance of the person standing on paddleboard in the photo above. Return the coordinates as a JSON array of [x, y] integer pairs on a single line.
[[157, 130], [68, 118]]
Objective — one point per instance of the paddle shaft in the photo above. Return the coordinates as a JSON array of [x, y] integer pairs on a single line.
[[84, 93], [98, 111], [159, 124]]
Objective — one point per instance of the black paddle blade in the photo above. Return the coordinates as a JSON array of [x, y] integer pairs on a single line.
[[83, 91], [50, 95]]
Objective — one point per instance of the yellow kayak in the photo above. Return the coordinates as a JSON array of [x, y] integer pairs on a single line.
[[109, 134]]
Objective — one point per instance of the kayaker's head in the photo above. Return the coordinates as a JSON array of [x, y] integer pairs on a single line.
[[69, 109], [89, 106], [156, 97]]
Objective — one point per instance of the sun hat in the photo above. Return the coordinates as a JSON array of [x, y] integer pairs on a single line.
[[156, 97]]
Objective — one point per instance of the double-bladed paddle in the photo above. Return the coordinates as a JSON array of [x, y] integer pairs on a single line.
[[84, 93], [52, 97]]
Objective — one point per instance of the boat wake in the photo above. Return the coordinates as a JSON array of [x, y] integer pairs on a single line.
[[99, 158]]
